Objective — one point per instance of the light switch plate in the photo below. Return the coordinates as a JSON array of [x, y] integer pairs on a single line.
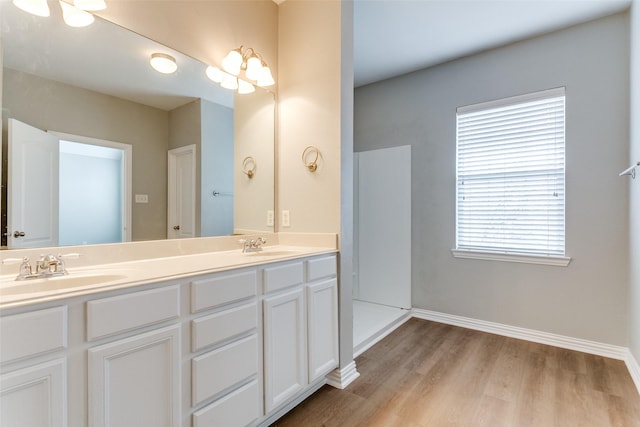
[[270, 218], [142, 198]]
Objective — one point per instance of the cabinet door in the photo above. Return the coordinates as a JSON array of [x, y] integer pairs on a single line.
[[35, 396], [284, 347], [136, 381], [322, 324]]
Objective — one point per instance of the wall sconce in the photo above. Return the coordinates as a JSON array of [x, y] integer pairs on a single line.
[[249, 166], [309, 153], [163, 63], [244, 62]]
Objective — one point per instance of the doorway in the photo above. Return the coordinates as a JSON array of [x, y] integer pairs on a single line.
[[66, 189]]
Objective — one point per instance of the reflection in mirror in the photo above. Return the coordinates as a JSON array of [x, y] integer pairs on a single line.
[[95, 86]]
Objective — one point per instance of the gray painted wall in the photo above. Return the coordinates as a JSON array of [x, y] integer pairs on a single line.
[[586, 300], [634, 212]]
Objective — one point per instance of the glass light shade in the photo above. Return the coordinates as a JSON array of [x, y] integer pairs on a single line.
[[232, 62], [163, 63], [90, 4], [254, 68], [215, 74], [75, 17], [34, 7], [265, 78], [230, 82], [245, 87]]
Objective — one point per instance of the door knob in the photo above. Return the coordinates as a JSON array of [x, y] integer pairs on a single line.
[[17, 234], [176, 227]]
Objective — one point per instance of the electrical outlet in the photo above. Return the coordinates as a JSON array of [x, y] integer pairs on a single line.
[[270, 218], [142, 198], [286, 219]]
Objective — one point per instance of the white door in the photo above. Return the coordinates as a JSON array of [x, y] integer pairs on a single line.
[[136, 381], [32, 194], [322, 327], [284, 347], [384, 226], [35, 396], [181, 214]]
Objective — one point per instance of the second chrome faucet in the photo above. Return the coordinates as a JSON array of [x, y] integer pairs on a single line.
[[252, 245]]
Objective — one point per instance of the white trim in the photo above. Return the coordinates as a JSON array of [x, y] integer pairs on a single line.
[[562, 341], [558, 261], [527, 97], [634, 369], [340, 378]]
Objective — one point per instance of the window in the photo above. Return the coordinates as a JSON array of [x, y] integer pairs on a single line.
[[510, 178]]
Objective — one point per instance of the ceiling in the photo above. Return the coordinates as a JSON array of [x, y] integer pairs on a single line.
[[395, 37]]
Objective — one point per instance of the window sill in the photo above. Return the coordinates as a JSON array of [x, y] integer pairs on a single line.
[[558, 261]]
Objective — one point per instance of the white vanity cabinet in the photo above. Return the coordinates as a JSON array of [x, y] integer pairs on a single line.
[[230, 348], [33, 386], [134, 380], [300, 327]]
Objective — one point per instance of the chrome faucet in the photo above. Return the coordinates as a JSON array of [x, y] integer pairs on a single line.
[[252, 245], [46, 266]]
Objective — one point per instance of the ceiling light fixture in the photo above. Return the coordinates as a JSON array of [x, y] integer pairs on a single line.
[[242, 62], [75, 17], [34, 7], [163, 63], [90, 4]]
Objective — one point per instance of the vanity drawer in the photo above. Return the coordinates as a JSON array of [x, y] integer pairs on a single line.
[[108, 316], [222, 289], [220, 369], [236, 409], [32, 333], [283, 276], [321, 267], [218, 327]]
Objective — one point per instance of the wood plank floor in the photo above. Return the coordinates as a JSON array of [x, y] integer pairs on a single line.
[[431, 374]]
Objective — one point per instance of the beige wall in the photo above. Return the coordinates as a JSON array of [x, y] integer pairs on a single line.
[[309, 108], [253, 136], [50, 105]]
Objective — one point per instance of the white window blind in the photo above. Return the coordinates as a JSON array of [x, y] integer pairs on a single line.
[[510, 175]]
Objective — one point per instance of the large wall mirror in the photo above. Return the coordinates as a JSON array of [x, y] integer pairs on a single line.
[[98, 147]]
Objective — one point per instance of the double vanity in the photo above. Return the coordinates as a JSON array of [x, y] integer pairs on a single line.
[[220, 338]]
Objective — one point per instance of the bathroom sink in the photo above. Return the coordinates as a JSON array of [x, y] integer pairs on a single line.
[[69, 282]]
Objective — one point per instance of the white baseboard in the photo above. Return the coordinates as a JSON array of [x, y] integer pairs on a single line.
[[585, 346], [342, 377], [634, 369]]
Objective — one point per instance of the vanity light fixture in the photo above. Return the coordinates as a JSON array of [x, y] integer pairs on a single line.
[[34, 7], [90, 4], [75, 17], [163, 63], [242, 62], [229, 81]]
